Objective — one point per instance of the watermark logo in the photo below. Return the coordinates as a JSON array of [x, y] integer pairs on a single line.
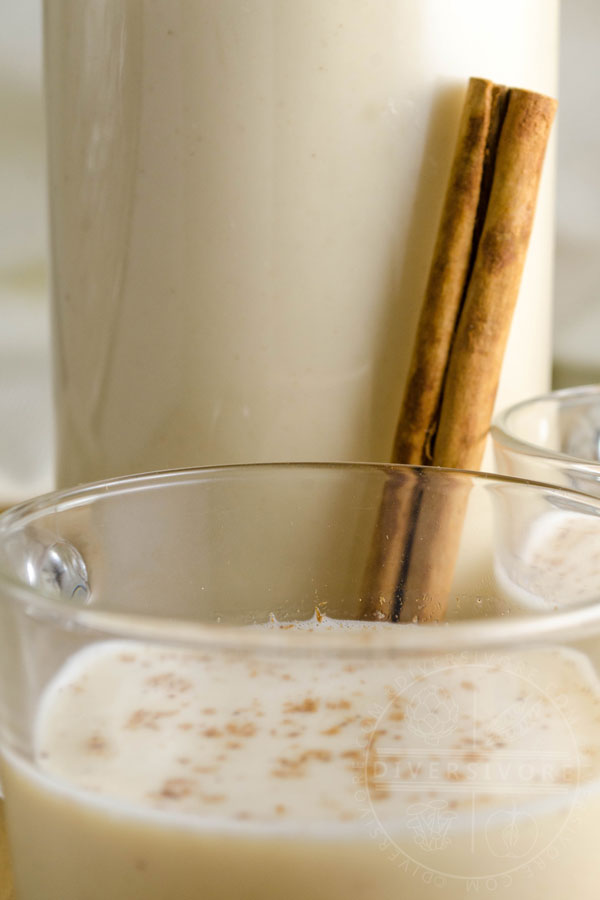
[[433, 714], [511, 834], [471, 770], [430, 824]]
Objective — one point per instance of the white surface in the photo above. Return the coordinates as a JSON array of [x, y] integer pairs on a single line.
[[577, 312], [25, 414]]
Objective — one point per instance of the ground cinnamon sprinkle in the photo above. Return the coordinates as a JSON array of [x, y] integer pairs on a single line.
[[212, 733], [306, 706], [335, 729], [338, 704], [296, 767], [356, 755], [247, 729], [214, 798], [96, 744], [473, 756], [170, 681], [149, 718], [176, 788]]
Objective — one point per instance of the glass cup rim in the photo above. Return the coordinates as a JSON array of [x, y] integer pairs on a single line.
[[505, 435], [569, 623]]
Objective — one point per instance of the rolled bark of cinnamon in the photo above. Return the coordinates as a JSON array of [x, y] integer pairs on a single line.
[[461, 337], [483, 327], [448, 276]]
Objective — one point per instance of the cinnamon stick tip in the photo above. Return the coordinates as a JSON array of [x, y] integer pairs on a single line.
[[545, 102]]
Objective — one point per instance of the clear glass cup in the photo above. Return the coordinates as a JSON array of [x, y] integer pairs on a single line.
[[168, 731], [553, 438]]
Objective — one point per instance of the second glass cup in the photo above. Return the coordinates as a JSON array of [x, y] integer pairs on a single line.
[[553, 438]]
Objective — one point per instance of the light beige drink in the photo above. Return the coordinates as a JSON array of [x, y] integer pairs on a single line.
[[162, 774], [244, 199]]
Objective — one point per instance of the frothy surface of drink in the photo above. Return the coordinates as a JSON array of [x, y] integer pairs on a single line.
[[243, 737]]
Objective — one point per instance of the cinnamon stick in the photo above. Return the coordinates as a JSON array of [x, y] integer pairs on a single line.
[[452, 259], [482, 331], [383, 589], [469, 302], [444, 294]]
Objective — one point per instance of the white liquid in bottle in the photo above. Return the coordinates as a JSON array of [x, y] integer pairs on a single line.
[[244, 200]]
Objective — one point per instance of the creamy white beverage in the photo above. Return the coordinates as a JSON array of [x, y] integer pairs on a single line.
[[244, 200], [161, 773]]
